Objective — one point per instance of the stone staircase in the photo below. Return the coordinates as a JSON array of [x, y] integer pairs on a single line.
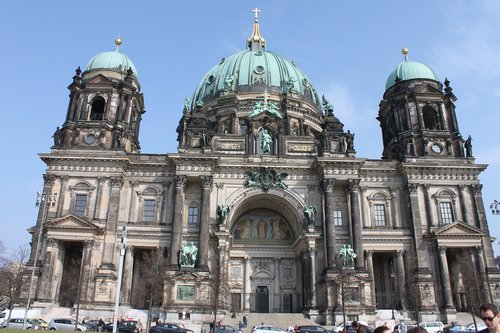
[[281, 320]]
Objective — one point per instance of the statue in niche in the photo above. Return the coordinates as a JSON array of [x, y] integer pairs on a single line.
[[222, 213], [468, 147], [347, 255], [309, 214], [266, 141], [188, 254]]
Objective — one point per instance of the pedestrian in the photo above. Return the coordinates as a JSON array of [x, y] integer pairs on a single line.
[[100, 325], [240, 325], [489, 314], [290, 329], [212, 327], [233, 315], [382, 329], [360, 328], [83, 320], [245, 321]]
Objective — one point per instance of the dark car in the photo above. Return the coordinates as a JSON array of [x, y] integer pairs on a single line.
[[93, 325], [125, 326], [226, 329], [311, 329], [169, 328], [456, 329]]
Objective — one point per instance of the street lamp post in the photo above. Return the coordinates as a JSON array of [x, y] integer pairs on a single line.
[[392, 275], [44, 201], [123, 244]]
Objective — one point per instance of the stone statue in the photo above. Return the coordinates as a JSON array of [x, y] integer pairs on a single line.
[[187, 257], [327, 107], [468, 147], [290, 85], [310, 213], [347, 255], [266, 141], [222, 212], [57, 137], [228, 83], [257, 108], [187, 105], [349, 140]]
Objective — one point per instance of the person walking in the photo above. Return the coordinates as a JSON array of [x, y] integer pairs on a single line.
[[489, 314], [360, 328]]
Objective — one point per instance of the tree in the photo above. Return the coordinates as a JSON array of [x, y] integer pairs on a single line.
[[344, 280], [12, 276]]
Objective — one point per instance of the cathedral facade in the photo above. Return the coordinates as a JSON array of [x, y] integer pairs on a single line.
[[265, 207]]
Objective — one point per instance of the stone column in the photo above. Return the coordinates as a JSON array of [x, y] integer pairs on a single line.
[[312, 254], [364, 215], [180, 185], [400, 271], [369, 266], [420, 243], [463, 204], [445, 274], [357, 227], [165, 203], [44, 291], [247, 285], [85, 278], [396, 217], [206, 188], [277, 293], [62, 194], [128, 270], [481, 270], [99, 190], [133, 215], [483, 225], [112, 222], [330, 226], [428, 206]]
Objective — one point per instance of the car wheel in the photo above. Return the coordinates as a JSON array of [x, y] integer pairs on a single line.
[[52, 328], [79, 329]]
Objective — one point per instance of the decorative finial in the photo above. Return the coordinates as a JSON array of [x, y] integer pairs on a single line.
[[405, 52], [256, 42], [118, 42]]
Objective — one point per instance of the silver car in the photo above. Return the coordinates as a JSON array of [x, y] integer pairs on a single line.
[[66, 324], [17, 323]]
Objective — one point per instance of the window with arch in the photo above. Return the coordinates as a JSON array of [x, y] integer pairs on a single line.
[[379, 203], [429, 116], [80, 198], [149, 199], [97, 108], [445, 204]]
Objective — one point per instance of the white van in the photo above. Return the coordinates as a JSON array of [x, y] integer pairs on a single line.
[[18, 313], [432, 326]]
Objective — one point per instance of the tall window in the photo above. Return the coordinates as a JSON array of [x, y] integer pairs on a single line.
[[80, 204], [193, 215], [337, 217], [148, 212], [97, 109], [429, 115], [446, 212], [379, 211]]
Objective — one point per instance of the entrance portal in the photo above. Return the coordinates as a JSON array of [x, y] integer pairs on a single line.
[[262, 299]]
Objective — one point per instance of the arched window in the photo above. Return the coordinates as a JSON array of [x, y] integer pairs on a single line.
[[430, 118], [445, 202], [97, 109]]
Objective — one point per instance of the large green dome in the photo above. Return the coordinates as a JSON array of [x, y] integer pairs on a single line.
[[114, 60], [409, 70], [255, 70]]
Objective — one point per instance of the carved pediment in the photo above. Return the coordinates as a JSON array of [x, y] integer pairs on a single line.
[[72, 223], [456, 230], [98, 79]]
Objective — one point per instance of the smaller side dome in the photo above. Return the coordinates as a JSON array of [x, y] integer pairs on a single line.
[[113, 60], [409, 70]]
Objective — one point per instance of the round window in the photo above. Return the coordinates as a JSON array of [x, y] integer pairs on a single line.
[[89, 139], [210, 79], [259, 69]]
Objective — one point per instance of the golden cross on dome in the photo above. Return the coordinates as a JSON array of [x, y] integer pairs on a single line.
[[256, 11]]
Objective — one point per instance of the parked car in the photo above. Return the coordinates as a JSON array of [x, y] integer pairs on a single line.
[[124, 326], [311, 329], [456, 329], [350, 329], [480, 326], [169, 328], [17, 323], [42, 323], [432, 326], [92, 324], [226, 329], [266, 329], [66, 324]]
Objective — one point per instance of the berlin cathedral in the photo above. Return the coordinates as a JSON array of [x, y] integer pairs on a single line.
[[265, 207]]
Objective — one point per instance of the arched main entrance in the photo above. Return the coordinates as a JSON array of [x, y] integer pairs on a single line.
[[265, 270]]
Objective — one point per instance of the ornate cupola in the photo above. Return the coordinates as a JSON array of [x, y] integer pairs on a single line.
[[417, 118], [105, 107]]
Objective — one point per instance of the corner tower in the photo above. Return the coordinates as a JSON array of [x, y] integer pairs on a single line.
[[417, 118], [105, 106]]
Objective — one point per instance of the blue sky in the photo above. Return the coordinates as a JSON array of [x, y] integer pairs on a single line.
[[346, 48]]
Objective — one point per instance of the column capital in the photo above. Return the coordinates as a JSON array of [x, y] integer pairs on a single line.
[[181, 181], [478, 250], [442, 250], [353, 185], [49, 179], [117, 182], [327, 184], [413, 188], [477, 189], [369, 253], [207, 182]]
